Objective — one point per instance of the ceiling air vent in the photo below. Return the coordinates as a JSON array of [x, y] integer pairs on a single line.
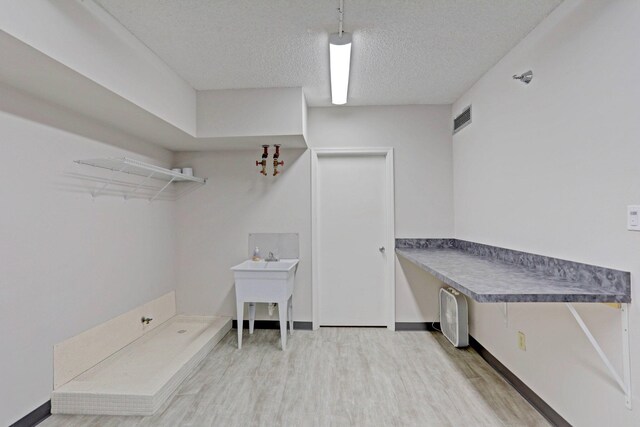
[[462, 120]]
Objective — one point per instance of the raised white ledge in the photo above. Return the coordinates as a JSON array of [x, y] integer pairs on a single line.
[[243, 125]]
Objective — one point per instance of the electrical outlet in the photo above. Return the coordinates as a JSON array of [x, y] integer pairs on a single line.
[[522, 341]]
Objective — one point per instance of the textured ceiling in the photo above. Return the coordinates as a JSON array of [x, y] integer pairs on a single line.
[[404, 52]]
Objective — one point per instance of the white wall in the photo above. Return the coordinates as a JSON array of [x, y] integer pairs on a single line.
[[214, 225], [214, 222], [549, 168], [67, 263]]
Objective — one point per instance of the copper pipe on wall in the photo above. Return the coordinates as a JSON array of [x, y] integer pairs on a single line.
[[263, 162], [277, 163]]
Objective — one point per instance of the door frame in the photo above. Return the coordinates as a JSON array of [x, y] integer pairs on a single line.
[[389, 240]]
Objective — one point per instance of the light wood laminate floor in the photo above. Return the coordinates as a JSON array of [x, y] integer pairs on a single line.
[[336, 377]]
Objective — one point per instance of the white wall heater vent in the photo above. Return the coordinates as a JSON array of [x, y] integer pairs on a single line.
[[454, 317], [462, 120]]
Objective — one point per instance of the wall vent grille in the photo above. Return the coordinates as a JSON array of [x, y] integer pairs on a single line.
[[462, 120]]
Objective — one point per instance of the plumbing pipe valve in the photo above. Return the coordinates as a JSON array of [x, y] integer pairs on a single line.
[[277, 163], [263, 162], [275, 166]]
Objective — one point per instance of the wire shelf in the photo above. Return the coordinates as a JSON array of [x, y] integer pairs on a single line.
[[139, 168], [136, 167]]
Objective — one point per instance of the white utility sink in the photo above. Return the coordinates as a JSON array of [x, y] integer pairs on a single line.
[[284, 265], [265, 281]]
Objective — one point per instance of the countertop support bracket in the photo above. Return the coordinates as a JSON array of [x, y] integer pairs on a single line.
[[625, 381]]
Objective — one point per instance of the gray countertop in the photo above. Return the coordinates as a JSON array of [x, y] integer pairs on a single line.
[[487, 279]]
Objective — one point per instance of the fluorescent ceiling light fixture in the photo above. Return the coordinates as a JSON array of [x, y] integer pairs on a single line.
[[339, 64]]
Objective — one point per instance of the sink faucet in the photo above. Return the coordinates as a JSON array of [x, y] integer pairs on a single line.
[[271, 258]]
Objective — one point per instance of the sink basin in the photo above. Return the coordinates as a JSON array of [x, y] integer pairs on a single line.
[[260, 266], [262, 275]]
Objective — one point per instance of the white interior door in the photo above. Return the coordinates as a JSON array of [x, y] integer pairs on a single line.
[[351, 228]]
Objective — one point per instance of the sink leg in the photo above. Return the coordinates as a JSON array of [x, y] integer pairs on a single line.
[[290, 314], [282, 313], [252, 316], [239, 315]]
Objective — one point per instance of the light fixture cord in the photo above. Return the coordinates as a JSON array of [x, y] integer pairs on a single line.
[[340, 18]]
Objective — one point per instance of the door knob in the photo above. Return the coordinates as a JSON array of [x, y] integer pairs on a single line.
[[381, 248]]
